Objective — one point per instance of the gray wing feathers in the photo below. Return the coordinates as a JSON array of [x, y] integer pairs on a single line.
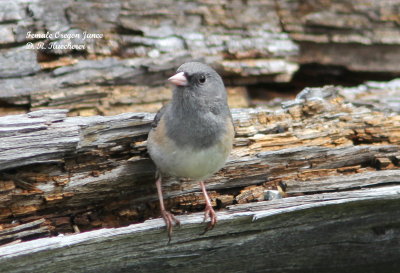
[[158, 116]]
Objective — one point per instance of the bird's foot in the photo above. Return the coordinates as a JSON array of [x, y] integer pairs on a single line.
[[170, 221], [209, 213]]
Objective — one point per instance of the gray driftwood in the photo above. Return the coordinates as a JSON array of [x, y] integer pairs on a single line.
[[249, 42], [356, 231], [85, 173]]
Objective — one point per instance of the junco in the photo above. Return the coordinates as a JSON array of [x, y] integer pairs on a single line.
[[192, 136]]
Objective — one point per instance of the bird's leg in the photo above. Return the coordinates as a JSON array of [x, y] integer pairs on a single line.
[[209, 211], [168, 217]]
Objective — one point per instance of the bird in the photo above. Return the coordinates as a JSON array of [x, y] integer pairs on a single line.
[[192, 135]]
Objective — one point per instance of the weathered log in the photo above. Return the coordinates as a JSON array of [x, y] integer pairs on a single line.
[[62, 174], [94, 172], [24, 231], [355, 231], [378, 96], [83, 173], [142, 42], [361, 36]]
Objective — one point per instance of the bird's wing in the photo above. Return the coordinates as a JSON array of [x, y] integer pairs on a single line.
[[158, 116], [233, 124]]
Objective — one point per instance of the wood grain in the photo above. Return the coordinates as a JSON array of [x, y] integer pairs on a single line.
[[94, 172], [355, 231]]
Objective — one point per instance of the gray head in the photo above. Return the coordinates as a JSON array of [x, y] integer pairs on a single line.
[[199, 80], [199, 106]]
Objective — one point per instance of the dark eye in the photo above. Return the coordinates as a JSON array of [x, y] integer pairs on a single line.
[[202, 79]]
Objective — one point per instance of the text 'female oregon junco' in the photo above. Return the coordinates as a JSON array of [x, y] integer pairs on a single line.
[[192, 136]]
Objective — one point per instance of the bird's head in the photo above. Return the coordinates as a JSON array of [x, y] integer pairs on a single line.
[[199, 80]]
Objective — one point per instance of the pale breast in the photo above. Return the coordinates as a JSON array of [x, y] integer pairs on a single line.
[[187, 161]]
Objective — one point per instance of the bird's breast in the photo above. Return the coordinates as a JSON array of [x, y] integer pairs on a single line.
[[188, 161]]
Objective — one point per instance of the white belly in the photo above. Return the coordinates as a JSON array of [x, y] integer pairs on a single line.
[[189, 163]]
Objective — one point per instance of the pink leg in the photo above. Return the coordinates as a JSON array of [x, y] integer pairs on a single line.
[[168, 217], [209, 211]]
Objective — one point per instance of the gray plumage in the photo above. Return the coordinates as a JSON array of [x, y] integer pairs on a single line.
[[192, 135], [198, 112], [196, 120]]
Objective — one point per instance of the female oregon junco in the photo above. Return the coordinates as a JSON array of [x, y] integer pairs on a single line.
[[192, 136]]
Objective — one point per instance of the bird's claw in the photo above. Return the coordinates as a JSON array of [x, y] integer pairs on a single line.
[[170, 221], [209, 213]]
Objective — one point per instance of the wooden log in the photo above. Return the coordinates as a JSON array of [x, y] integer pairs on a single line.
[[360, 37], [354, 231], [62, 174], [142, 42], [94, 172], [24, 231]]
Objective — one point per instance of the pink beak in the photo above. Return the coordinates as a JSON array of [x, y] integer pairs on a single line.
[[179, 79]]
